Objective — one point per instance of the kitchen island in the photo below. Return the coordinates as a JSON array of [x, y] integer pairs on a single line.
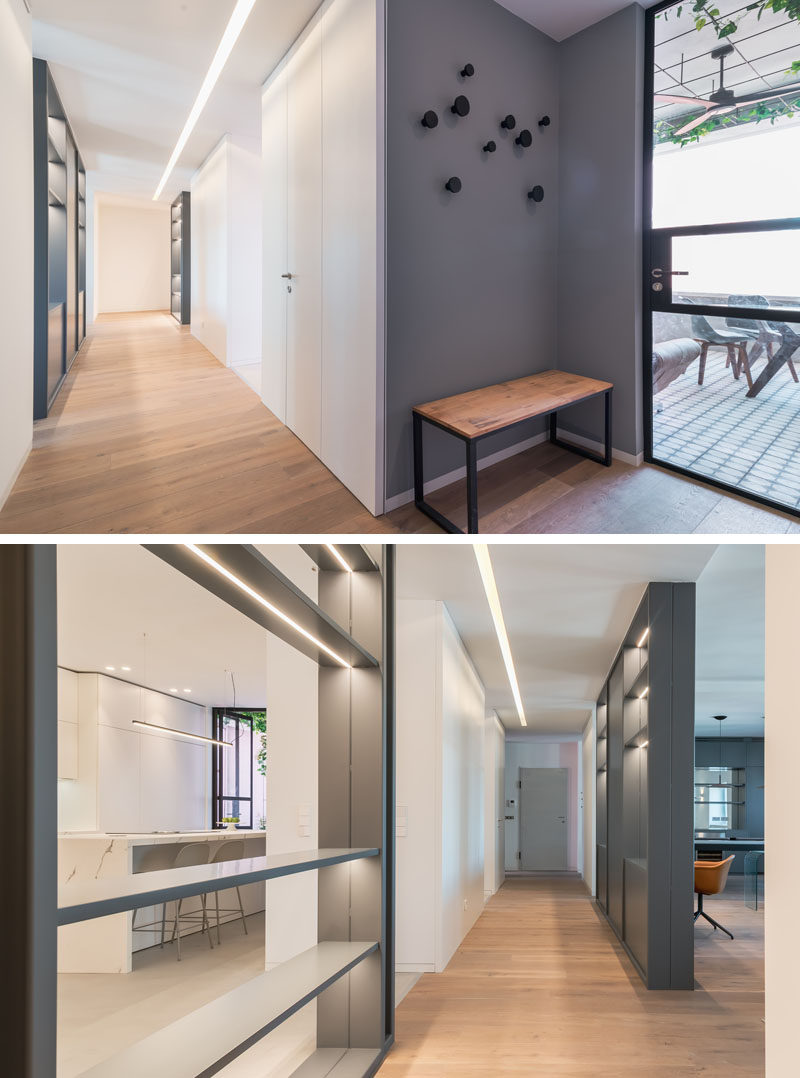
[[106, 945]]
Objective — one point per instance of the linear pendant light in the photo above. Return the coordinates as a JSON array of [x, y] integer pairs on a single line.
[[182, 733], [490, 587], [234, 28], [264, 602]]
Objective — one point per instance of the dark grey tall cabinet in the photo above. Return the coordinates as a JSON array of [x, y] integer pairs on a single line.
[[181, 254], [645, 793], [59, 242]]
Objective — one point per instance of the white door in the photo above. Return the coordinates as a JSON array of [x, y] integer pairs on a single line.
[[275, 151], [304, 367], [543, 815]]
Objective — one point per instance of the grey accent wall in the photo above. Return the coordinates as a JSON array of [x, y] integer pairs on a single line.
[[472, 278], [600, 242]]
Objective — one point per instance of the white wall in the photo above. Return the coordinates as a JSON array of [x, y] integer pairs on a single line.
[[131, 780], [589, 803], [494, 778], [133, 255], [226, 252], [542, 752], [440, 792], [781, 753], [16, 228]]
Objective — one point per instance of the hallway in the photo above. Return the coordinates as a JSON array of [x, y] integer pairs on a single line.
[[150, 434], [541, 977]]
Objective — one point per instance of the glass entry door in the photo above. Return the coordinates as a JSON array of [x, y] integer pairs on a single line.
[[722, 247]]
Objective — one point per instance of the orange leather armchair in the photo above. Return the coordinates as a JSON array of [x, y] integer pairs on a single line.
[[710, 878]]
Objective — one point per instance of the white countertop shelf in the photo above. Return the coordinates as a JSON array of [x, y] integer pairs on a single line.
[[338, 1063], [156, 837], [217, 1033], [87, 900]]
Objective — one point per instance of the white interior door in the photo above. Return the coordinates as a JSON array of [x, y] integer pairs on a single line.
[[543, 815], [275, 152], [304, 334]]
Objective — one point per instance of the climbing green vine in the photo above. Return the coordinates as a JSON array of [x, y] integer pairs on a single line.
[[703, 13]]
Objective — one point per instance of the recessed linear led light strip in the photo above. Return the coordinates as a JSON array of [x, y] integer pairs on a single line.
[[182, 733], [265, 603], [234, 28], [338, 556], [646, 691], [490, 587], [645, 635]]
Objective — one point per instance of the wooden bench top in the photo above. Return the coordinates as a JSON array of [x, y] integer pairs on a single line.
[[483, 411]]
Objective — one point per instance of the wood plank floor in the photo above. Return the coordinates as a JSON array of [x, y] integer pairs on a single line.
[[150, 434], [547, 490], [541, 986]]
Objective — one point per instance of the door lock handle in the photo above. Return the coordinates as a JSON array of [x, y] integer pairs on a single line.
[[288, 276]]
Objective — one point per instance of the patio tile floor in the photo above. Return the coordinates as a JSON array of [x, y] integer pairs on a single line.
[[715, 431]]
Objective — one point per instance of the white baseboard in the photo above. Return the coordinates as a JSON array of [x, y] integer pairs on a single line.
[[599, 447], [399, 500], [10, 485], [414, 967]]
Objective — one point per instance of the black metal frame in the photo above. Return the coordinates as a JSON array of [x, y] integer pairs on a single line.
[[649, 306], [218, 757], [700, 912], [471, 443]]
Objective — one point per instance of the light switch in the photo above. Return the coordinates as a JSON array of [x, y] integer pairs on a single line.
[[401, 821], [304, 821]]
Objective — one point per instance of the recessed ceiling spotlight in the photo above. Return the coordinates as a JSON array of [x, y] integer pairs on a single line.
[[234, 28], [127, 669], [187, 690], [111, 668], [173, 690]]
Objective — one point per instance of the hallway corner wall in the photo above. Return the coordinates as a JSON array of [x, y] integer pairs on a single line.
[[472, 286], [440, 791], [132, 255], [781, 752], [600, 224], [16, 227], [226, 252]]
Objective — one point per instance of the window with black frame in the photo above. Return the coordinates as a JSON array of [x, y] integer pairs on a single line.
[[723, 282], [238, 769]]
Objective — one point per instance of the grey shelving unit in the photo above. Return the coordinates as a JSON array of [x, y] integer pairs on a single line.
[[59, 242], [181, 259], [350, 972], [645, 788]]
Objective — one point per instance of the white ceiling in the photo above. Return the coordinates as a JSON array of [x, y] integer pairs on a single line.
[[109, 595], [560, 19], [566, 609], [128, 74]]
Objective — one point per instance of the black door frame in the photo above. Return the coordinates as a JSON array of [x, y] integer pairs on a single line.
[[664, 302]]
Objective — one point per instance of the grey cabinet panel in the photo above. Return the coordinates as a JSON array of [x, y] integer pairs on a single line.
[[734, 753], [615, 839], [755, 753], [706, 754]]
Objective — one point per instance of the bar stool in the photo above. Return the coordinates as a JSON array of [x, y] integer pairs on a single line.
[[196, 853], [229, 851]]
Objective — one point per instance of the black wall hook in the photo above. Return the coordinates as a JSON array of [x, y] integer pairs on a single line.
[[430, 120], [537, 194], [467, 72], [461, 106], [490, 147], [545, 121], [453, 185], [524, 139], [509, 123]]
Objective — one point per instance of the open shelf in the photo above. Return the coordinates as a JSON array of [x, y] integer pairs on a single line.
[[101, 898], [638, 740], [220, 1031], [251, 567], [338, 1063], [639, 683], [180, 258]]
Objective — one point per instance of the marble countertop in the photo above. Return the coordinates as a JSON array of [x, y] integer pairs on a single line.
[[159, 836]]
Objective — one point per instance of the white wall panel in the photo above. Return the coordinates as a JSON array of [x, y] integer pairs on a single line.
[[352, 274], [119, 792], [209, 192], [16, 228], [244, 254], [494, 805], [275, 226]]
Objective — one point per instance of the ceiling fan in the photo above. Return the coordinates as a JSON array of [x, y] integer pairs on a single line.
[[723, 100]]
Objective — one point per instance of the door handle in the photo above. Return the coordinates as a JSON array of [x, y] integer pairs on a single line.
[[288, 276]]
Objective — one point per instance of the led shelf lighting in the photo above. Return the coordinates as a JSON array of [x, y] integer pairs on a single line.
[[490, 587], [332, 549], [265, 603]]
